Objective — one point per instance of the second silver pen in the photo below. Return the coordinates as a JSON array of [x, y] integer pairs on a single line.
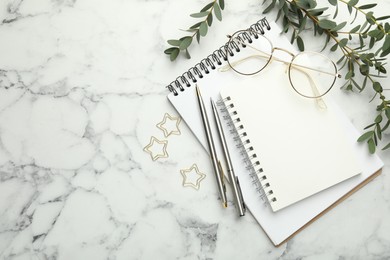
[[239, 200]]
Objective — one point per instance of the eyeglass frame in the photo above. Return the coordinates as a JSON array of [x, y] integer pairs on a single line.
[[232, 42]]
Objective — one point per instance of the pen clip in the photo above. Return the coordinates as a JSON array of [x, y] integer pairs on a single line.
[[240, 194], [221, 175]]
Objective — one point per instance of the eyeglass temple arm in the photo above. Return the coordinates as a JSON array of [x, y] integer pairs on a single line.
[[319, 100]]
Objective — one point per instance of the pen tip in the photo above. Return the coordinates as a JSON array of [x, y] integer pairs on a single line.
[[225, 204]]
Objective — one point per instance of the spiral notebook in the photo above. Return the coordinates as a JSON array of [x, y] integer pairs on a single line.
[[282, 224], [296, 148]]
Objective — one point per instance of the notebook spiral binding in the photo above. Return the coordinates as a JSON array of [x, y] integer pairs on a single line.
[[211, 62], [253, 165]]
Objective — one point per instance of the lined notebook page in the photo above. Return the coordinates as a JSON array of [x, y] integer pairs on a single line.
[[301, 147]]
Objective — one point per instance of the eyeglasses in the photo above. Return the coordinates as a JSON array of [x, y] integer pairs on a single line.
[[311, 74]]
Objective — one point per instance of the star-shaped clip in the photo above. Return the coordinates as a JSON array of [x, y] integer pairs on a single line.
[[192, 179], [171, 126], [151, 148]]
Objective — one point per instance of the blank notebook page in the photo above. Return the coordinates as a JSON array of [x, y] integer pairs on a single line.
[[301, 148]]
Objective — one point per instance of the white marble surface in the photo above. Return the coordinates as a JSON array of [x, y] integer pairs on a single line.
[[82, 87]]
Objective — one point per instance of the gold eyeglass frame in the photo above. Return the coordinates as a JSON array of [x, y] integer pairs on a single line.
[[235, 41]]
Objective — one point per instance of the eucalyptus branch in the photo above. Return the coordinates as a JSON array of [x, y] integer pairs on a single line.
[[295, 15], [199, 29]]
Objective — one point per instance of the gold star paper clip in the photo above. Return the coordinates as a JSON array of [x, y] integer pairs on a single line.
[[191, 179], [169, 125], [151, 148]]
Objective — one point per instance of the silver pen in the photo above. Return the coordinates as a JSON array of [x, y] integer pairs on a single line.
[[239, 200], [216, 164]]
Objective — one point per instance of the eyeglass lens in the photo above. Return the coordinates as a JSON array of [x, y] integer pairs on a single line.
[[253, 55], [311, 74]]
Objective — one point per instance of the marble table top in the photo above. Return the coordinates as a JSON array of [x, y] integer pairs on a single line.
[[82, 91]]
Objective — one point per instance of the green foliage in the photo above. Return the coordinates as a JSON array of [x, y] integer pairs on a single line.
[[363, 65], [198, 30]]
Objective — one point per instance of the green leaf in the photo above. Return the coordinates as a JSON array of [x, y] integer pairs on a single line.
[[174, 42], [318, 11], [355, 29], [371, 146], [343, 42], [364, 82], [169, 50], [326, 43], [361, 41], [334, 47], [387, 27], [379, 131], [222, 4], [372, 42], [300, 43], [198, 15], [378, 119], [174, 54], [374, 33], [339, 27], [195, 25], [281, 3], [383, 18], [336, 12], [306, 4], [354, 18], [327, 24], [198, 37], [386, 126], [356, 85], [210, 19], [217, 11], [279, 14], [363, 26], [333, 2], [207, 7], [341, 59], [386, 147], [364, 69], [188, 56], [387, 112], [368, 6], [203, 29], [185, 42], [302, 24], [365, 136], [293, 37], [270, 7], [386, 43], [371, 125], [353, 2], [191, 30], [349, 74], [377, 87], [375, 139], [370, 18]]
